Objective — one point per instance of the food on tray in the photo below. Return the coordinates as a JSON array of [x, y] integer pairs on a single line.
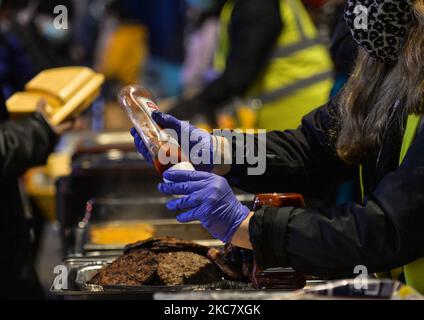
[[133, 269], [178, 268], [219, 258], [166, 261], [120, 234]]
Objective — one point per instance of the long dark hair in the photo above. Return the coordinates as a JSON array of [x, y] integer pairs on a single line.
[[374, 88]]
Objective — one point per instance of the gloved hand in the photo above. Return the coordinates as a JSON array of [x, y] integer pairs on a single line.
[[197, 141], [208, 199], [140, 146]]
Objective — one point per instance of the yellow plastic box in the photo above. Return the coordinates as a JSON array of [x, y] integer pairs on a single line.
[[68, 91]]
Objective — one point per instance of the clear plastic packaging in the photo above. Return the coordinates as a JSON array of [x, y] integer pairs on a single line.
[[139, 103]]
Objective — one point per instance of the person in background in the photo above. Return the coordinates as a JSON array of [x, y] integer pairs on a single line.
[[314, 8], [86, 28], [23, 144], [32, 25], [16, 67], [373, 131], [269, 51], [166, 22], [201, 46], [122, 49]]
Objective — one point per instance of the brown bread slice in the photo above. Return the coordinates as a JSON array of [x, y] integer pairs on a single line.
[[144, 244], [133, 269], [179, 268]]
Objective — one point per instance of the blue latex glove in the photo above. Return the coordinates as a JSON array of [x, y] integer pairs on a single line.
[[199, 141], [209, 199], [140, 146]]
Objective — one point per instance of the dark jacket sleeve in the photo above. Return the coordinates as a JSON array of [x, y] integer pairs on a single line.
[[23, 144], [302, 160], [254, 29], [384, 233]]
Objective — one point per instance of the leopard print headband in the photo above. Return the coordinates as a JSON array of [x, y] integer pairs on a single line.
[[384, 34]]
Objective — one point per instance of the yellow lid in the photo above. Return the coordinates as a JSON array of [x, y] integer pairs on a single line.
[[26, 103]]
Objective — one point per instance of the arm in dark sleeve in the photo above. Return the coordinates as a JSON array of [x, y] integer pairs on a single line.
[[302, 160], [384, 234], [23, 144], [253, 31]]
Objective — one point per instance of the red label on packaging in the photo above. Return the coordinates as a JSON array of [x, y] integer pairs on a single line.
[[152, 105]]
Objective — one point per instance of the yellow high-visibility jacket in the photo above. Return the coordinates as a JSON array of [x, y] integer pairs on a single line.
[[299, 76]]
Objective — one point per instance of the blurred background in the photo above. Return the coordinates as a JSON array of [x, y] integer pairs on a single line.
[[169, 46]]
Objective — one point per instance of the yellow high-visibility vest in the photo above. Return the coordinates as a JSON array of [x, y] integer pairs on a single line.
[[298, 77], [413, 272]]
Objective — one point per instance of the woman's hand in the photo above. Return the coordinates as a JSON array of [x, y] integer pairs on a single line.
[[241, 237], [208, 199], [195, 142]]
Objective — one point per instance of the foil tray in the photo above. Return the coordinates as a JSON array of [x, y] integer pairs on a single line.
[[82, 270]]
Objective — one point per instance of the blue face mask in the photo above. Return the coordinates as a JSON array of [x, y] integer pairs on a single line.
[[52, 34], [200, 4]]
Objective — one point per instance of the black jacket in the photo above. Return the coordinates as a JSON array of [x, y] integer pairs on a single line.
[[23, 144], [254, 30], [384, 233]]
